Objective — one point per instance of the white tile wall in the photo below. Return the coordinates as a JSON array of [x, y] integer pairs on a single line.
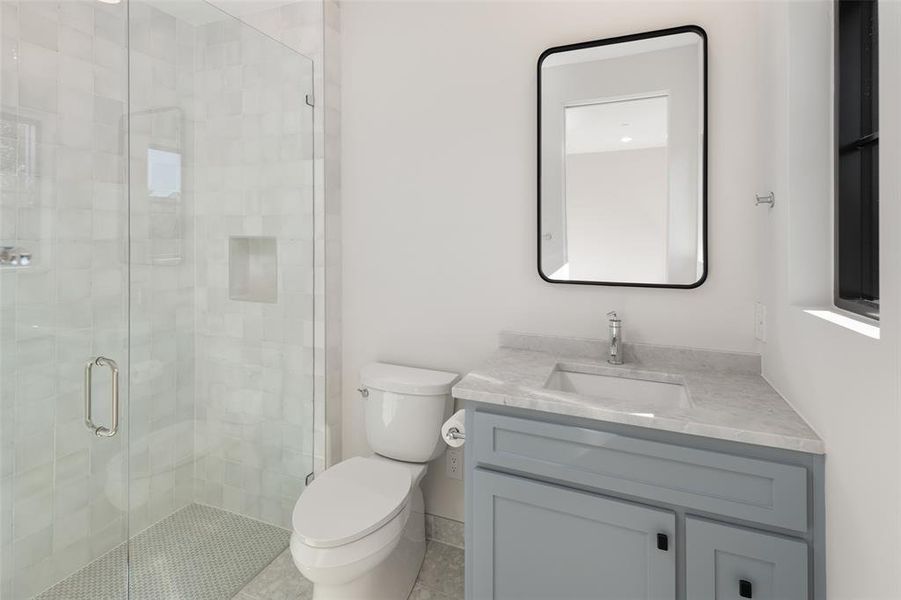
[[161, 404], [62, 196], [220, 386], [313, 28], [254, 175]]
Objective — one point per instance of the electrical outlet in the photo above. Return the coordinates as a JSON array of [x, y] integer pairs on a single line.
[[454, 463], [760, 321]]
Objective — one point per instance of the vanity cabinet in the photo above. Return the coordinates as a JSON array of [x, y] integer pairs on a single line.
[[540, 541], [559, 507], [723, 562]]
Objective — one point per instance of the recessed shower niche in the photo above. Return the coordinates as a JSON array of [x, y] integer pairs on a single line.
[[252, 269]]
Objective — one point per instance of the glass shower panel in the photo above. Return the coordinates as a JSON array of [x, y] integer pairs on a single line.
[[221, 171], [156, 216], [63, 294]]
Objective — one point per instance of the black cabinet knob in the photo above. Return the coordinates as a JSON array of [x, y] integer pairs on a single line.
[[662, 542], [744, 588]]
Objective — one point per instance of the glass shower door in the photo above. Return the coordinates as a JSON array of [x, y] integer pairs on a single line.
[[221, 230], [156, 299], [64, 276]]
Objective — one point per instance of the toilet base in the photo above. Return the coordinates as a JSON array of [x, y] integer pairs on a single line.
[[392, 579]]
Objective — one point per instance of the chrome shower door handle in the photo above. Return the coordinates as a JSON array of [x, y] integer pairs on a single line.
[[99, 430]]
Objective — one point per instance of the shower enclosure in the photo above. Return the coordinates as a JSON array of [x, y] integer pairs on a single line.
[[156, 298]]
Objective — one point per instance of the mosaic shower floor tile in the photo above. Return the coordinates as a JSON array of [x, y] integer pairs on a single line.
[[197, 553]]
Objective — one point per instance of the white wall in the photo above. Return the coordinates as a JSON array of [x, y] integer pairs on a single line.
[[843, 383], [439, 211], [616, 207], [439, 138]]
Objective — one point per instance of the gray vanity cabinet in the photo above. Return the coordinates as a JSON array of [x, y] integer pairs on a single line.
[[728, 563], [539, 541], [560, 508]]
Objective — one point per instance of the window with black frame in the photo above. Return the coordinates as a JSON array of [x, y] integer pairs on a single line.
[[857, 162]]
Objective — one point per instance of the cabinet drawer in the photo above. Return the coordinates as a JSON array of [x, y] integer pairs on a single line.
[[743, 488], [725, 563]]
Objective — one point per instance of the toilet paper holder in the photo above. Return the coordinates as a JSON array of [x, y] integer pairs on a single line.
[[454, 433]]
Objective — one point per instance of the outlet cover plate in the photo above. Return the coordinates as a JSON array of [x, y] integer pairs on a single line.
[[454, 463], [760, 321]]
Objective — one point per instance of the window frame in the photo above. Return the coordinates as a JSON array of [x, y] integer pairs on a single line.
[[856, 243]]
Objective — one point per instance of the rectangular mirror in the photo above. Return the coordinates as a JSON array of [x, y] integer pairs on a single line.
[[622, 160]]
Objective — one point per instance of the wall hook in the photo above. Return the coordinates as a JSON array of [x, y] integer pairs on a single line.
[[765, 199]]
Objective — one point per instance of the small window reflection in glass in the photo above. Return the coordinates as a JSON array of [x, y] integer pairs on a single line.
[[163, 173]]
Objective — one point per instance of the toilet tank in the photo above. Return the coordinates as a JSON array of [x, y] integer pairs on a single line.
[[404, 409]]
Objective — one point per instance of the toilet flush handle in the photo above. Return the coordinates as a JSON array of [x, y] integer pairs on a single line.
[[363, 392]]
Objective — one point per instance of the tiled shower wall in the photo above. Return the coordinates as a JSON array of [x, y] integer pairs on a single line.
[[254, 202], [161, 402], [63, 97], [313, 28], [64, 85]]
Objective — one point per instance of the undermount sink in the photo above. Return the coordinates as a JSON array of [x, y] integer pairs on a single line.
[[642, 389]]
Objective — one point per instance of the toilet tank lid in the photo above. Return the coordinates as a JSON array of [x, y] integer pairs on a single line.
[[407, 380]]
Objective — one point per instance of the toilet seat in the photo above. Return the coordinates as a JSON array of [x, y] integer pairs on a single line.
[[351, 500], [342, 563]]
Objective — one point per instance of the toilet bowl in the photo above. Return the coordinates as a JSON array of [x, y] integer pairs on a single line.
[[359, 528]]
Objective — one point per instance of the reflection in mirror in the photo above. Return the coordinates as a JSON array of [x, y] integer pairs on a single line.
[[621, 190], [615, 183]]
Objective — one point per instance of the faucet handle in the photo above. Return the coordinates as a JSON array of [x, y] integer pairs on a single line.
[[612, 315]]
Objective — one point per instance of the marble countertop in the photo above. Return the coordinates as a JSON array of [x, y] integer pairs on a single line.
[[728, 398]]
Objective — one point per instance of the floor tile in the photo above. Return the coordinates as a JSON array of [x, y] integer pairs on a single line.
[[440, 578], [197, 553], [442, 570], [203, 553], [279, 581], [420, 592]]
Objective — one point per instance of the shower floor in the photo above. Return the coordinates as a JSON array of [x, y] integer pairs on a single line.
[[196, 553]]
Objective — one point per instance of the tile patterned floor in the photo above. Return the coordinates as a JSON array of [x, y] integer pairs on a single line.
[[441, 578], [197, 553], [441, 575], [203, 553]]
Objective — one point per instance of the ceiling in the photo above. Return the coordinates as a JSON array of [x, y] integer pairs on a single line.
[[618, 125]]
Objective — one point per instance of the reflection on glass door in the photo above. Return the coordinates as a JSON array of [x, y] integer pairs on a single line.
[[63, 295], [221, 236], [156, 299]]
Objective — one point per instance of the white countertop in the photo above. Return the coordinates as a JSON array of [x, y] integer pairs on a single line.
[[729, 399]]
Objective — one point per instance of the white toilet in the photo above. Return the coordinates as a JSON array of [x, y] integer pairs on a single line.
[[359, 528]]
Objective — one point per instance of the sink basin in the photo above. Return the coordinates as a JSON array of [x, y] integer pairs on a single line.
[[645, 390]]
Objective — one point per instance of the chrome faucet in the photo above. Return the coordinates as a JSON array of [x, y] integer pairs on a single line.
[[615, 327]]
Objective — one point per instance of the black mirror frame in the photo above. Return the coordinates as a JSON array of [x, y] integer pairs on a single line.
[[618, 40]]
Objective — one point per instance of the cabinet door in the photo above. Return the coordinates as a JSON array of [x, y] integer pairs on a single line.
[[539, 541], [729, 563]]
